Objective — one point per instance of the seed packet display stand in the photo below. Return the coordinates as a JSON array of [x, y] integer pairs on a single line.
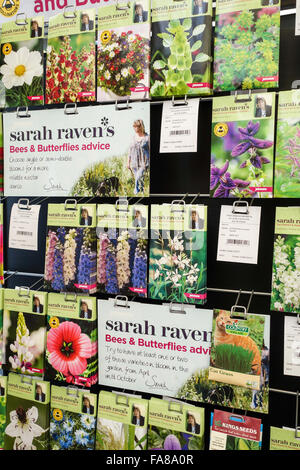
[[187, 175]]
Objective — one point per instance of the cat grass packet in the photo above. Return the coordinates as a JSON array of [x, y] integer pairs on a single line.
[[229, 431], [178, 258], [21, 63], [71, 57], [246, 49], [71, 248], [181, 48], [175, 426], [242, 146], [72, 419], [27, 413], [71, 350], [287, 161], [3, 398], [121, 422], [123, 59], [237, 348], [122, 232], [285, 295], [283, 439], [24, 325]]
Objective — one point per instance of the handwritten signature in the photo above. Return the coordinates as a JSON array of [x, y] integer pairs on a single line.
[[52, 186], [152, 383]]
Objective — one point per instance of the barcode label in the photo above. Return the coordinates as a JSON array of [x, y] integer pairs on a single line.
[[181, 132], [24, 234], [232, 241]]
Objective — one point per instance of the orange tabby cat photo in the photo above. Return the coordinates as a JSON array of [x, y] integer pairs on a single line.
[[221, 336]]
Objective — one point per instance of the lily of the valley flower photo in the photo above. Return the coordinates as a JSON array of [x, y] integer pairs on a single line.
[[242, 160], [23, 428], [22, 75]]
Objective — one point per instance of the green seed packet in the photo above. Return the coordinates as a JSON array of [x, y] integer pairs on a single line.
[[283, 439], [121, 422], [72, 419], [1, 166], [71, 248], [122, 253], [24, 326], [177, 266], [3, 398], [71, 57], [21, 62], [175, 426], [237, 349], [242, 146], [246, 48], [229, 431], [124, 50], [181, 48], [27, 413], [286, 257], [2, 348], [71, 349], [287, 160], [201, 388]]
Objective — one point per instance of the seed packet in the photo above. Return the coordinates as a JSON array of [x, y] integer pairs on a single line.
[[1, 247], [1, 156], [21, 59], [283, 439], [175, 426], [122, 422], [27, 413], [71, 248], [72, 419], [286, 261], [200, 387], [246, 51], [71, 65], [3, 398], [234, 432], [122, 249], [24, 326], [287, 157], [152, 348], [71, 351], [237, 349], [124, 50], [181, 48], [242, 146], [177, 267], [2, 346]]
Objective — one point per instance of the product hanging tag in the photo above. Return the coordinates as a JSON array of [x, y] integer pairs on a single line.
[[239, 234], [23, 227], [291, 364], [285, 279], [229, 431], [297, 22], [179, 127]]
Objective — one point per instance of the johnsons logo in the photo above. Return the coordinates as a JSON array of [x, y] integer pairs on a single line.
[[237, 329]]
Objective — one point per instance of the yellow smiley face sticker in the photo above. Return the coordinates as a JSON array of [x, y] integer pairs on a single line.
[[221, 129], [54, 322], [105, 37], [57, 414], [6, 48]]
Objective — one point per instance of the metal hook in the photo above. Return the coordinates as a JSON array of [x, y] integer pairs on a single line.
[[70, 15], [24, 22], [73, 107], [174, 310], [179, 102], [122, 106], [40, 279], [174, 410], [25, 207], [11, 275], [242, 100], [26, 113], [240, 204], [70, 201], [194, 199], [121, 298], [251, 295]]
